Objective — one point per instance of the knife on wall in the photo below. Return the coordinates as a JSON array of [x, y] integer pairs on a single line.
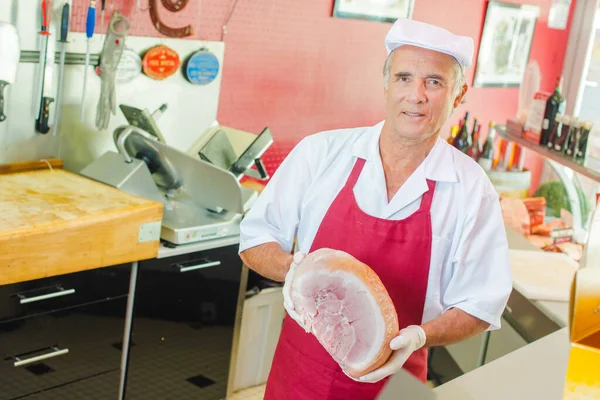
[[47, 97]]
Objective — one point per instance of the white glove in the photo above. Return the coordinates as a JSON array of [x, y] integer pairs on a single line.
[[287, 289], [410, 339]]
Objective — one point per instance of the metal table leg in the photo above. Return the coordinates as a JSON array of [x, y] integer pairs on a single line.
[[236, 331], [127, 330], [484, 349]]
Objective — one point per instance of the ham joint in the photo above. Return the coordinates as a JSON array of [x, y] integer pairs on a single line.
[[345, 305]]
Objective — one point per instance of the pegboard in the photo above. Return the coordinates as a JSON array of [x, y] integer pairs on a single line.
[[291, 66], [205, 16]]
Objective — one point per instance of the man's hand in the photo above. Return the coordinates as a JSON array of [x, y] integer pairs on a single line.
[[410, 339], [287, 288]]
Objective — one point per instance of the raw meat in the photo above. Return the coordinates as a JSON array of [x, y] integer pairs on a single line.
[[344, 304], [536, 207], [515, 215], [546, 229], [573, 250]]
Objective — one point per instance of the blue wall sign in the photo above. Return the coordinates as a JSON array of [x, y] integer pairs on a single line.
[[202, 68]]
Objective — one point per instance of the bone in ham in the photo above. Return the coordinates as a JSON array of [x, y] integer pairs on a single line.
[[345, 305]]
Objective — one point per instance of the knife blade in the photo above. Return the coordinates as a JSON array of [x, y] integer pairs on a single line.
[[42, 122]]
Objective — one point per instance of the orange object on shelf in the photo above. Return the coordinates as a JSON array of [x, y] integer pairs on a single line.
[[536, 206], [160, 62]]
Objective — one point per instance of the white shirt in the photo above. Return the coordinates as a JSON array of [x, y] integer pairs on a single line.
[[469, 267]]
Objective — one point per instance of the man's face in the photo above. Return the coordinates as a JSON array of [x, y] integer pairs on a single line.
[[419, 95]]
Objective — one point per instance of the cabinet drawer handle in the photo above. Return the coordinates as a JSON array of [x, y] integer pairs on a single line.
[[54, 353], [187, 268], [61, 292]]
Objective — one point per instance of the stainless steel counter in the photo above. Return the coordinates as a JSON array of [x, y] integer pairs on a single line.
[[536, 371], [165, 251], [557, 311]]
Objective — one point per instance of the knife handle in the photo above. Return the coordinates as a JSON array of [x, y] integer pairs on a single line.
[[46, 14], [90, 22], [64, 23], [41, 124]]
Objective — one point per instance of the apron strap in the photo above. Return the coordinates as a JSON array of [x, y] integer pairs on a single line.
[[354, 174], [427, 198]]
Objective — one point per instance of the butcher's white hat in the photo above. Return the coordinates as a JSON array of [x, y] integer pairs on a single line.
[[416, 33]]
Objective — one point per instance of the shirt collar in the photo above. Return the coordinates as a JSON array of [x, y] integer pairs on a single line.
[[439, 163]]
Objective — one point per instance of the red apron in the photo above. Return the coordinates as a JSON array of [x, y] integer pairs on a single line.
[[399, 251]]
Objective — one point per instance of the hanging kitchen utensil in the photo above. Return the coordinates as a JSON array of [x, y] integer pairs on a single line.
[[139, 6], [102, 6], [130, 66], [64, 30], [166, 30], [9, 59], [160, 62], [44, 37], [42, 123], [90, 25], [202, 68], [174, 5], [114, 43]]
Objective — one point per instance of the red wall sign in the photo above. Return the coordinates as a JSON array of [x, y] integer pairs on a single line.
[[160, 62]]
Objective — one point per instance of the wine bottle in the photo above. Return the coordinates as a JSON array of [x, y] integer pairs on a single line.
[[555, 104], [555, 131], [562, 133], [583, 142], [573, 141], [472, 134], [461, 141], [453, 132], [475, 150], [486, 158], [561, 143]]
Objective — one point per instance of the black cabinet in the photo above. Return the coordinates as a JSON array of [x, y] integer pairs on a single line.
[[50, 339], [41, 296], [183, 326]]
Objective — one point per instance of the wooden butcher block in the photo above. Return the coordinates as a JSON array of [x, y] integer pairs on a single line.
[[54, 222]]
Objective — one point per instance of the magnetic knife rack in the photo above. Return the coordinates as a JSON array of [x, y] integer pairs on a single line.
[[33, 56]]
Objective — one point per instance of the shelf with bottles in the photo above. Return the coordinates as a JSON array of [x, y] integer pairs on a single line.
[[551, 154], [550, 132], [492, 154], [555, 214]]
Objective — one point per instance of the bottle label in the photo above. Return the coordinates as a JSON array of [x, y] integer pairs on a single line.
[[545, 124], [485, 163]]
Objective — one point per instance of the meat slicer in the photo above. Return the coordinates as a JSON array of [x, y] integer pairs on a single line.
[[202, 196]]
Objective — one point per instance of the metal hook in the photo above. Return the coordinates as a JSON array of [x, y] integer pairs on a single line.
[[139, 6]]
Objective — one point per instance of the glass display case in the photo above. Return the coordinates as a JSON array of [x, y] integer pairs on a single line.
[[565, 184], [565, 188]]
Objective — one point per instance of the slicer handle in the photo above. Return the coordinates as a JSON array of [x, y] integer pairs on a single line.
[[120, 142]]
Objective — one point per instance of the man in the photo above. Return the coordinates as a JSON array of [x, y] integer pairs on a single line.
[[397, 197]]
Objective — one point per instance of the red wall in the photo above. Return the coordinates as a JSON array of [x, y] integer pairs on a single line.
[[289, 65]]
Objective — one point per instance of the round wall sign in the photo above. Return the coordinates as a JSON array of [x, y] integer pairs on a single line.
[[202, 68], [129, 67], [160, 62]]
